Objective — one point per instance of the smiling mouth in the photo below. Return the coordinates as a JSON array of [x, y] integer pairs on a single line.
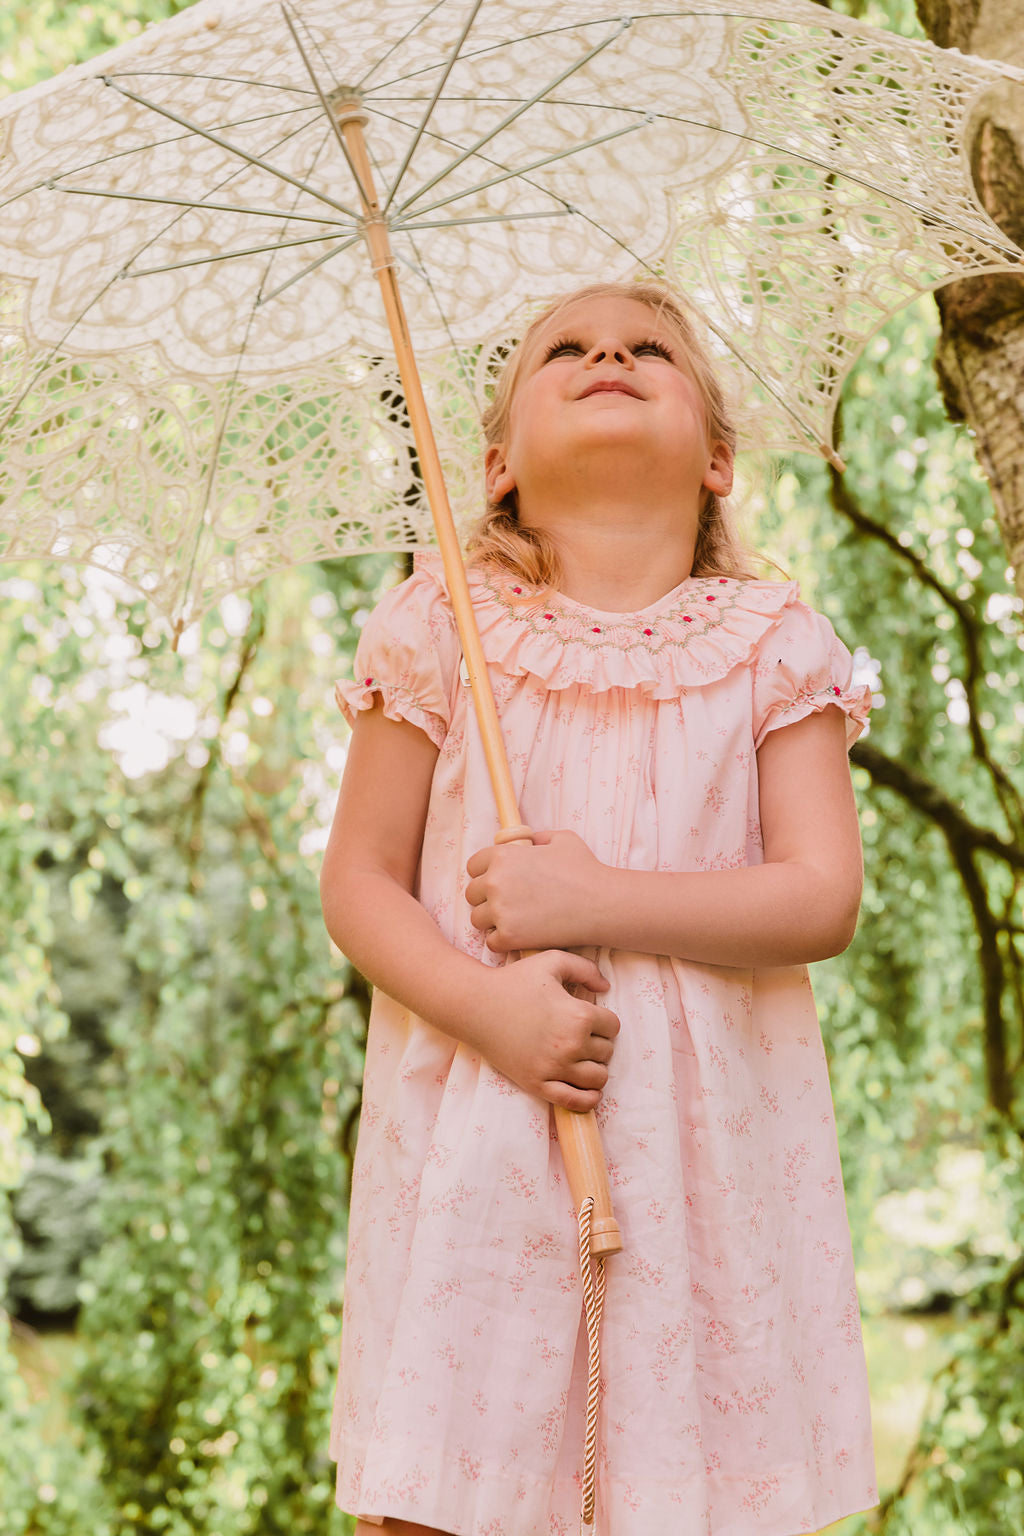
[[611, 387]]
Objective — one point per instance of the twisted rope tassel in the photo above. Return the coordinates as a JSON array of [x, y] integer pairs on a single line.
[[592, 1272]]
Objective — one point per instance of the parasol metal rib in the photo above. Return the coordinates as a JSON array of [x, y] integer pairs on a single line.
[[521, 37], [298, 276], [324, 101], [232, 149], [138, 149], [202, 518], [181, 74], [785, 152], [536, 165], [404, 38], [806, 429], [424, 120], [421, 271], [524, 106], [251, 250], [15, 406], [926, 214], [184, 202], [486, 218]]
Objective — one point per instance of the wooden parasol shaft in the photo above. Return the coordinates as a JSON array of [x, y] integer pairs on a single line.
[[577, 1133]]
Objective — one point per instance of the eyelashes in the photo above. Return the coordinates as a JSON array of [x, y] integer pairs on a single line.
[[568, 344]]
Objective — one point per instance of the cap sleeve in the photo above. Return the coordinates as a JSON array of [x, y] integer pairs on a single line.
[[803, 666], [408, 654]]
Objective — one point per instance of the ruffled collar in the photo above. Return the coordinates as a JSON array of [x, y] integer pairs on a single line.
[[695, 634]]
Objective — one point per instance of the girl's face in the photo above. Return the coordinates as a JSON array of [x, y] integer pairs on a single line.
[[605, 389]]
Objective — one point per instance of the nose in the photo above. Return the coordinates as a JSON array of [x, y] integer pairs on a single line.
[[609, 350]]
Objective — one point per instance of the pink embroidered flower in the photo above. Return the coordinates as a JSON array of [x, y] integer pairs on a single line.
[[368, 682], [549, 615], [517, 591], [687, 619], [648, 631], [596, 629], [711, 598]]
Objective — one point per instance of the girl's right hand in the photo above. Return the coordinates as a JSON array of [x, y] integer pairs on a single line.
[[552, 1044]]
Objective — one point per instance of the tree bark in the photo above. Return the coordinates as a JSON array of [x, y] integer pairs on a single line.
[[980, 358]]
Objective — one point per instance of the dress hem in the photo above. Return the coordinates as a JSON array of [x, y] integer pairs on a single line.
[[554, 1508]]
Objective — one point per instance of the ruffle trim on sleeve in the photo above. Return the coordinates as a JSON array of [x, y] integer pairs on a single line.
[[399, 704], [694, 635], [854, 701]]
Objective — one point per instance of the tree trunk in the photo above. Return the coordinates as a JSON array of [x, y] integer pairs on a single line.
[[980, 359]]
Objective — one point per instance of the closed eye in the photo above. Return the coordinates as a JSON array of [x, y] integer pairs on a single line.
[[657, 347], [565, 346], [562, 346]]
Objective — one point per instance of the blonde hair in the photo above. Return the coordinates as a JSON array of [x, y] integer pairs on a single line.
[[528, 552]]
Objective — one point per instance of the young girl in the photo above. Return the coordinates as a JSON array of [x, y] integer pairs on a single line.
[[677, 732]]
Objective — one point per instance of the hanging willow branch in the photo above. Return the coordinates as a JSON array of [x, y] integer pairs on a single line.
[[999, 973], [847, 505], [250, 646]]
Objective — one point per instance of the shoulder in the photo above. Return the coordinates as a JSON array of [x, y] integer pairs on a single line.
[[802, 667], [800, 635], [416, 608]]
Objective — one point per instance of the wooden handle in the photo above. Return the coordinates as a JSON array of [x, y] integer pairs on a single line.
[[583, 1155], [577, 1133], [580, 1141]]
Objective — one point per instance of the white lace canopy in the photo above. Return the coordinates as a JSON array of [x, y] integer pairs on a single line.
[[196, 388]]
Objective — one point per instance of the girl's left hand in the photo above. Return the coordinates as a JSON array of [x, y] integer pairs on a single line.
[[534, 897]]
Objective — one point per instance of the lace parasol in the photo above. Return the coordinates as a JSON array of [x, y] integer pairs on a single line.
[[197, 387]]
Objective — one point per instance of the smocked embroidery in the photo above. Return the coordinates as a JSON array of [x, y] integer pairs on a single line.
[[705, 610], [806, 696]]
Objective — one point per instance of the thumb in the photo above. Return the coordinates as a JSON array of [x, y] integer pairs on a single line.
[[539, 837], [576, 970]]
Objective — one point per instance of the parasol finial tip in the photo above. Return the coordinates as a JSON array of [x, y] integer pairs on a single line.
[[346, 104], [829, 453]]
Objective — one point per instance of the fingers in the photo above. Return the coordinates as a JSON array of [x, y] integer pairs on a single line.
[[587, 1075], [581, 1087], [566, 1097], [479, 862], [579, 971], [600, 1049], [604, 1022]]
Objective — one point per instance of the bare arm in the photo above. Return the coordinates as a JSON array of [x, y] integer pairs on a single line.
[[519, 1017], [800, 905]]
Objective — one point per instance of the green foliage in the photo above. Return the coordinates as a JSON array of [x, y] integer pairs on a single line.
[[211, 1306], [40, 39], [56, 1213], [180, 1050], [906, 1012]]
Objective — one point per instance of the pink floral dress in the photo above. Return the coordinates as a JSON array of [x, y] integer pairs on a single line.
[[734, 1395]]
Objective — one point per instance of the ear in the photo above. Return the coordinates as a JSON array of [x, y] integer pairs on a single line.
[[718, 475], [498, 478]]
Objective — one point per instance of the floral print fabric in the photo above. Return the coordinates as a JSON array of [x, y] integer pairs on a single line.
[[734, 1390]]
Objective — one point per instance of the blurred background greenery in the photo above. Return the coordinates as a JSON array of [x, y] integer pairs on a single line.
[[182, 1048]]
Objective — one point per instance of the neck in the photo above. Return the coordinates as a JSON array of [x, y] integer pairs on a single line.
[[619, 558]]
